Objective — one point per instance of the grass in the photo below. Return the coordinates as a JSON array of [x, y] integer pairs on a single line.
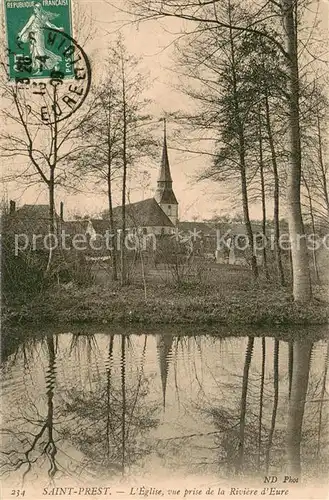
[[223, 295]]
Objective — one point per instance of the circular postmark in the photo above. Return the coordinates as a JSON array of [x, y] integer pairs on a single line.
[[53, 84]]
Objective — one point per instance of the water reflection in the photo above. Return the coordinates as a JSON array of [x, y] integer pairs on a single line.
[[164, 348], [109, 406], [109, 414]]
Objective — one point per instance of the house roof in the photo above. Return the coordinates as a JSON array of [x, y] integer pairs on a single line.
[[240, 229], [30, 219], [203, 227], [100, 225], [33, 211], [144, 213], [75, 226]]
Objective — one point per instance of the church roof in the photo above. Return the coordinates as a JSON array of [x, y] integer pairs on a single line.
[[143, 213]]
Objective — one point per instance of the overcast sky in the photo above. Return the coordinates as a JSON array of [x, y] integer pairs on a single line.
[[152, 41]]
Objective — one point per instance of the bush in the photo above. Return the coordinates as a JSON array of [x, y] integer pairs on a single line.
[[23, 274]]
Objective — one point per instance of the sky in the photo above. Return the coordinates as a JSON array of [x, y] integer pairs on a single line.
[[153, 43]]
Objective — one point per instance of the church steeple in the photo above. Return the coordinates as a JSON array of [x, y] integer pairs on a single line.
[[165, 175], [164, 194]]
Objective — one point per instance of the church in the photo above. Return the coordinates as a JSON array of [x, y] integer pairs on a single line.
[[157, 215]]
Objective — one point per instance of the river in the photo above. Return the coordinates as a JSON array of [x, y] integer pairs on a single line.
[[82, 406]]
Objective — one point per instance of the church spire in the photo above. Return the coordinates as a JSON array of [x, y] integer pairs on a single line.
[[165, 175], [164, 194]]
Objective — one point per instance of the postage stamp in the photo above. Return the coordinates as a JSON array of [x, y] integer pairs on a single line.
[[31, 53], [50, 69]]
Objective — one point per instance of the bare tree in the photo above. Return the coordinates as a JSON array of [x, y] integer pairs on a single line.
[[45, 146], [119, 138], [314, 140]]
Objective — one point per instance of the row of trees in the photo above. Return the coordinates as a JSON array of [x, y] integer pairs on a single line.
[[102, 143], [118, 136], [260, 100]]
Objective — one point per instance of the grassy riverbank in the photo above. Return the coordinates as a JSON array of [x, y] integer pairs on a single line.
[[228, 297]]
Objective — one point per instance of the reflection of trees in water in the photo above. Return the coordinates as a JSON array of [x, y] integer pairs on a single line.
[[34, 443], [321, 402], [307, 436], [275, 404], [164, 345], [261, 401], [110, 422], [104, 407], [85, 351], [258, 429], [243, 406], [281, 450], [299, 384], [105, 417]]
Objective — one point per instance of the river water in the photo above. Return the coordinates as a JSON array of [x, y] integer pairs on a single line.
[[113, 407]]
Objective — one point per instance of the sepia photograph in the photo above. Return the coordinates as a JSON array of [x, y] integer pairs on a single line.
[[164, 249]]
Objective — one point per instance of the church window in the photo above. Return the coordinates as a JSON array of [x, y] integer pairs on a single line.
[[169, 209]]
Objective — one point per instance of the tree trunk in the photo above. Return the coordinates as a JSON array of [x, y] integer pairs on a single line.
[[300, 375], [301, 274], [276, 196], [109, 195], [124, 177], [52, 203], [310, 203], [112, 226], [51, 184], [52, 222], [263, 194], [242, 153]]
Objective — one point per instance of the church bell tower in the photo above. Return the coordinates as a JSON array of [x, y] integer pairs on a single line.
[[164, 194]]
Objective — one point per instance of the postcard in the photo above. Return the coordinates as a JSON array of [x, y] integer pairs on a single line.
[[165, 249]]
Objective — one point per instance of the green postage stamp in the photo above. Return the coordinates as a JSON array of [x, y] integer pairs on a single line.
[[31, 41]]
